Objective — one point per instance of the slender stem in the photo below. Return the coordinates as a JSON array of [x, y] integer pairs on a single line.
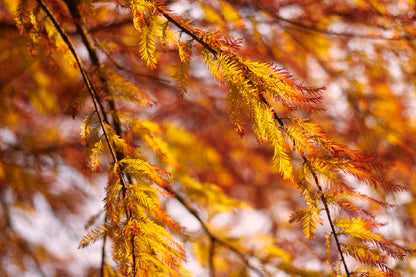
[[87, 81], [211, 256], [281, 123], [88, 42], [315, 177], [188, 32], [103, 250], [328, 214], [101, 117]]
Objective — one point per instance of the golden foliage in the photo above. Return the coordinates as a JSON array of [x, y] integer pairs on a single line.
[[151, 162]]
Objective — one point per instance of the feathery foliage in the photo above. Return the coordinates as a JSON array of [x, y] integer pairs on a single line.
[[182, 118]]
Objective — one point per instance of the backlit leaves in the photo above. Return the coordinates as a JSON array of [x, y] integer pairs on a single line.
[[210, 196], [95, 234], [182, 67], [158, 150], [309, 217]]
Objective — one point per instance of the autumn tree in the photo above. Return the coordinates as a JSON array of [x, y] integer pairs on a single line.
[[207, 138]]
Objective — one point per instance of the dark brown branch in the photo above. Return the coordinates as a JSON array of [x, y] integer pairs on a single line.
[[103, 250], [85, 77], [96, 101], [8, 25], [88, 42], [211, 257], [315, 177], [188, 32], [281, 123]]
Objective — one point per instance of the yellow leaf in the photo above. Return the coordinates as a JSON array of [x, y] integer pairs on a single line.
[[231, 15], [211, 15]]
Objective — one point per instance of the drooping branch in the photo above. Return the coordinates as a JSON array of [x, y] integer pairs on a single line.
[[87, 81], [88, 42], [94, 96], [281, 124], [316, 180]]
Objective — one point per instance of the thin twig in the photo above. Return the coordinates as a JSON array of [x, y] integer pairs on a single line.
[[102, 118], [281, 123], [211, 257], [188, 32], [87, 81], [11, 234], [122, 68], [274, 14], [103, 249], [316, 180], [332, 33], [88, 42], [328, 214]]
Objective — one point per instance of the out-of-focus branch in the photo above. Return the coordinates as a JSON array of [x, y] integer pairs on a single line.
[[213, 238], [342, 34], [10, 233], [122, 68]]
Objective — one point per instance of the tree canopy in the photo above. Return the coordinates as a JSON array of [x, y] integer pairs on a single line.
[[207, 138]]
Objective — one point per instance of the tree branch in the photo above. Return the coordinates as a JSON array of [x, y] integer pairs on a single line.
[[211, 257], [315, 177], [95, 98], [188, 32], [88, 42], [12, 235], [332, 33], [281, 123], [81, 67]]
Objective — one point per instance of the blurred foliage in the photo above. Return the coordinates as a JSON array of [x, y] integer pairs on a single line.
[[186, 103]]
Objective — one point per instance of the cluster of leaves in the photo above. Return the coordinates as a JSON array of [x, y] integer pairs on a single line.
[[157, 147]]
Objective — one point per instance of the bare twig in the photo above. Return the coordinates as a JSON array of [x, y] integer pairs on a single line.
[[11, 234], [122, 68], [332, 33]]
